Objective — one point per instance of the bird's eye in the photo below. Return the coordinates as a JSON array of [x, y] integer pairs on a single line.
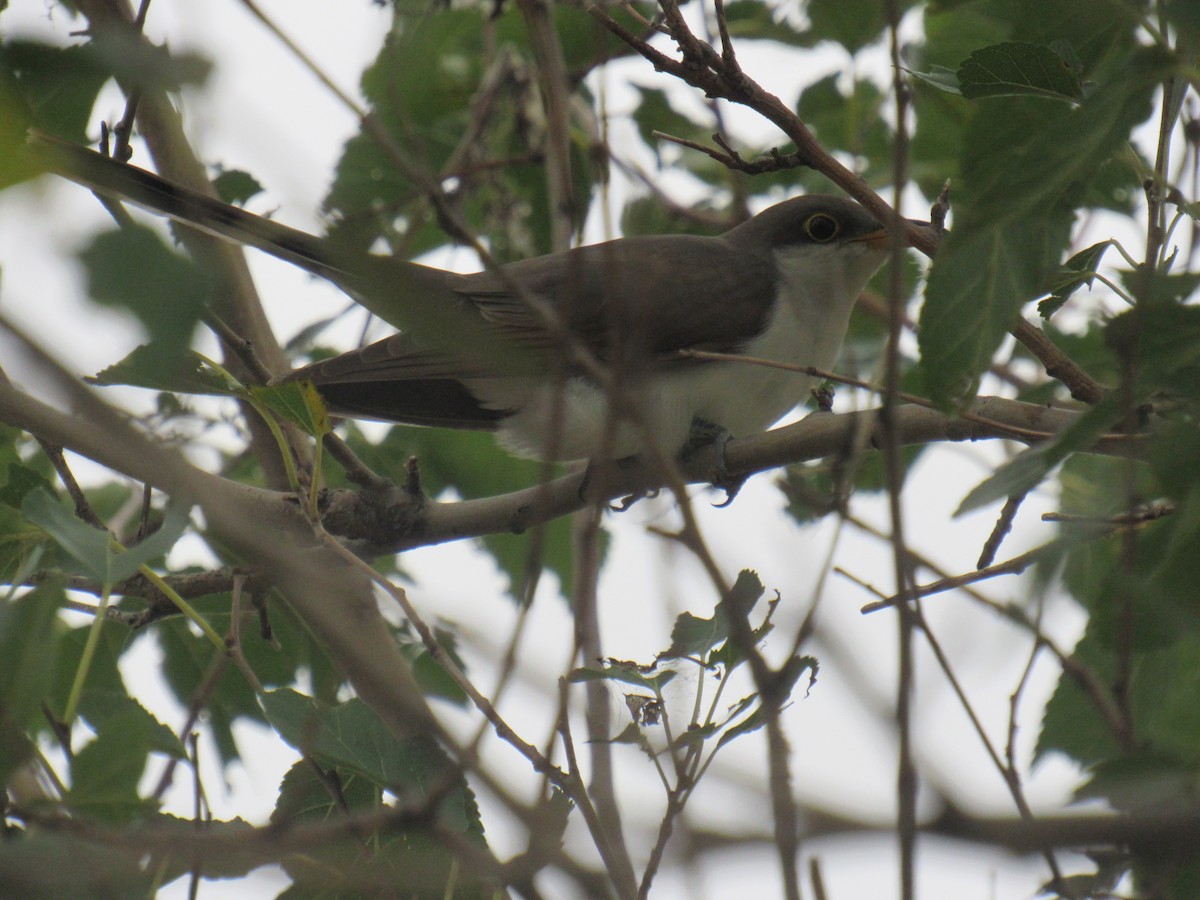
[[821, 227]]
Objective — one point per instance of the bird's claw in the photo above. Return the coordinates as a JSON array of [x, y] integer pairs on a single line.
[[707, 442]]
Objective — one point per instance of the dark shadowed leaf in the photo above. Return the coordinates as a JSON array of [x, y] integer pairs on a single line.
[[1014, 68]]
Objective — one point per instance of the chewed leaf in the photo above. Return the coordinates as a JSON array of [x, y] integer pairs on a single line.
[[626, 672]]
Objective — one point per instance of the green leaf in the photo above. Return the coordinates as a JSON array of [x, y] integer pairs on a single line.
[[853, 25], [305, 797], [236, 187], [1016, 68], [105, 773], [143, 368], [134, 269], [623, 671], [1015, 216], [351, 735], [940, 77], [430, 674], [297, 402], [471, 463], [102, 705], [980, 278], [1078, 271], [1160, 339], [92, 548], [55, 87], [788, 677], [655, 113], [29, 646], [1028, 468], [693, 636], [22, 480]]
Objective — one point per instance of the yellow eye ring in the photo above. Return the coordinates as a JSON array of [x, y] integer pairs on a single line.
[[821, 227]]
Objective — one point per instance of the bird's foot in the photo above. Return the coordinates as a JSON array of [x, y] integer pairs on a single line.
[[592, 487], [627, 501], [705, 448]]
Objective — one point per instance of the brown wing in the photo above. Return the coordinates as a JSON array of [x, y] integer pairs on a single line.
[[660, 293]]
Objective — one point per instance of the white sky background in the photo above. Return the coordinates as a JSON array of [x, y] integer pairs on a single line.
[[262, 112]]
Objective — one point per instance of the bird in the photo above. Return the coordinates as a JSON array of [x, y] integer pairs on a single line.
[[576, 355]]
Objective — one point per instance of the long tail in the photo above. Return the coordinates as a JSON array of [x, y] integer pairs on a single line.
[[127, 183], [408, 295]]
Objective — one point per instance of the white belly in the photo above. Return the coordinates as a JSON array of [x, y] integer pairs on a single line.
[[743, 398]]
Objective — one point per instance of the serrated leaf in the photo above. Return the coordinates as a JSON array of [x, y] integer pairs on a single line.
[[1016, 68], [1016, 219], [142, 368], [105, 773], [100, 705], [298, 402], [1078, 271], [351, 735]]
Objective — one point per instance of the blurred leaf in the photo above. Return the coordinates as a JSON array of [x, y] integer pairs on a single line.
[[1143, 783], [853, 25], [981, 276], [133, 61], [1028, 468], [430, 674], [50, 865], [695, 637], [788, 677], [755, 20], [853, 120], [29, 646], [134, 269], [92, 548], [939, 77], [305, 797], [22, 480], [471, 463], [1160, 339], [52, 88], [655, 113], [187, 661], [236, 187], [103, 705], [623, 671], [105, 773], [1016, 68]]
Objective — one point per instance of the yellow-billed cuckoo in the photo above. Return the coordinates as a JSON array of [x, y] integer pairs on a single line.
[[778, 287]]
